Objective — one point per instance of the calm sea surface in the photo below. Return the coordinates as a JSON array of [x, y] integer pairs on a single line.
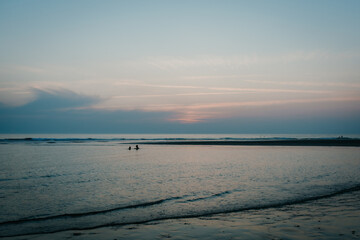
[[53, 183]]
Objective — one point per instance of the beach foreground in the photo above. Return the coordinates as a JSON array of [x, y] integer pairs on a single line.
[[336, 217]]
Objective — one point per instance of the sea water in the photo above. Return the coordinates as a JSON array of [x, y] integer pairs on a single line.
[[53, 183]]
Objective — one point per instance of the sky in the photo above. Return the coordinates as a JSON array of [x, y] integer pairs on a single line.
[[184, 66]]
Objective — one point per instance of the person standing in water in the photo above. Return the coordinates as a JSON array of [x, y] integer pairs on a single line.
[[137, 147], [129, 148]]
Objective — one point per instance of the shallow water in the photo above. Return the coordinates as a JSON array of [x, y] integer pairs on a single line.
[[50, 187]]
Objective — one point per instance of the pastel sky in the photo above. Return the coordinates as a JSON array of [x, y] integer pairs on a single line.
[[180, 66]]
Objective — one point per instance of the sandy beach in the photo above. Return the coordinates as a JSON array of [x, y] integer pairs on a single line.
[[336, 217]]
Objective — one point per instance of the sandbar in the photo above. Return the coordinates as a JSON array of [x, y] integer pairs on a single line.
[[293, 142]]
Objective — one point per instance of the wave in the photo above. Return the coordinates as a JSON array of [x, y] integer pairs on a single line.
[[140, 205], [91, 213], [38, 177], [208, 197], [161, 201]]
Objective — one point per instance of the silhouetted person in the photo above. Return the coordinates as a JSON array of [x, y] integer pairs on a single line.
[[129, 147], [137, 147]]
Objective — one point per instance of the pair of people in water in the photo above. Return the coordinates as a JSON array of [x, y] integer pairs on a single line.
[[136, 148]]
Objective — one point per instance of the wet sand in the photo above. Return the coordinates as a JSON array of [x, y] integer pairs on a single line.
[[296, 142], [336, 217]]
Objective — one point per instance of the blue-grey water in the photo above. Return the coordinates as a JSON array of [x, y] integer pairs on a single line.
[[52, 183]]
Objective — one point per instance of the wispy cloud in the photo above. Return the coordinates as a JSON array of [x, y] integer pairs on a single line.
[[210, 77], [232, 89], [271, 102], [168, 62], [142, 84], [311, 84], [202, 112], [175, 94], [270, 90]]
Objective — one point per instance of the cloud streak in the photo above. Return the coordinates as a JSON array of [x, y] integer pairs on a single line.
[[311, 84], [167, 62], [233, 89], [203, 112]]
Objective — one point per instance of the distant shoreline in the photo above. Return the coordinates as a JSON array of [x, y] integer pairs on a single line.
[[298, 142]]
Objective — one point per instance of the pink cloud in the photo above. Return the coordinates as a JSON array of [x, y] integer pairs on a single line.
[[203, 112]]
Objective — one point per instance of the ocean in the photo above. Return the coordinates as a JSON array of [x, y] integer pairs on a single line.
[[55, 183]]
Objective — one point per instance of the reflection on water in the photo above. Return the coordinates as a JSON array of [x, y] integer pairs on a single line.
[[52, 187]]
